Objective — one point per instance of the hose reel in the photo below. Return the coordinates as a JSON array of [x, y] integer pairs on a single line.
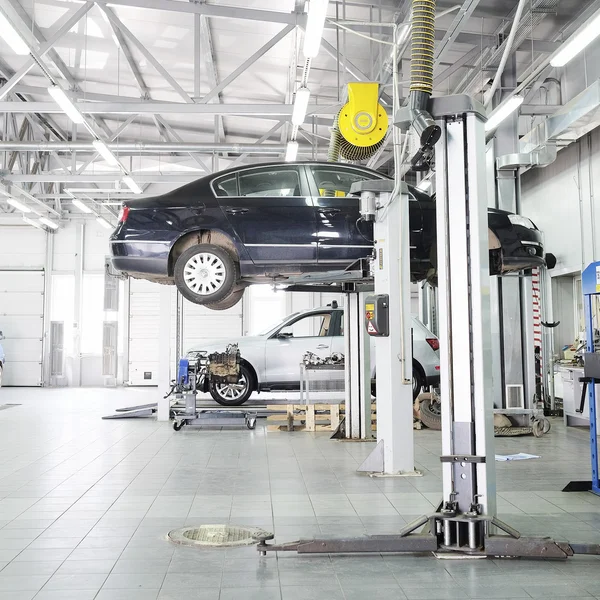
[[360, 127]]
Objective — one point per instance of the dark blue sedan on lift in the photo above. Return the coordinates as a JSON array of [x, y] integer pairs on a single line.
[[258, 224]]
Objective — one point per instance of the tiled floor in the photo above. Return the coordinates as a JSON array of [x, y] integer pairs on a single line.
[[85, 505]]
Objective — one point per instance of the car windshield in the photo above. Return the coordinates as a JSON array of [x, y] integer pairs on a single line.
[[277, 325]]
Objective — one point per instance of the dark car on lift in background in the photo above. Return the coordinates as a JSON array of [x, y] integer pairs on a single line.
[[266, 223]]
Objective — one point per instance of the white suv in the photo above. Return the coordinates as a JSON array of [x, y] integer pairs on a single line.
[[271, 360]]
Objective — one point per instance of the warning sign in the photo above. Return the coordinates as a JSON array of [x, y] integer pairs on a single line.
[[371, 328], [370, 315], [598, 278]]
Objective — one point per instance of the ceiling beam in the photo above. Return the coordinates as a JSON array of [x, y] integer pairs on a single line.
[[141, 107]]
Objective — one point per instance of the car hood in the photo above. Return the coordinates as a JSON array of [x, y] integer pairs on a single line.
[[221, 345]]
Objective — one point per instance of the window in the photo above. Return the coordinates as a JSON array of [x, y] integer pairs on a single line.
[[310, 326], [271, 182], [226, 186], [335, 182], [266, 308]]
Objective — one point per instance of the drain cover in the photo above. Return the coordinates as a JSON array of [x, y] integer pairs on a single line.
[[217, 535]]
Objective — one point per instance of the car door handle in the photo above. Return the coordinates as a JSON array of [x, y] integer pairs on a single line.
[[322, 346], [329, 211], [236, 211]]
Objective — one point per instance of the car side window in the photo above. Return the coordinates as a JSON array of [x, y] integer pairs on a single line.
[[270, 182], [225, 186], [335, 182], [310, 326]]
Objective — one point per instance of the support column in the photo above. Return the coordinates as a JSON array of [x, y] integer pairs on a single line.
[[77, 302], [511, 296], [164, 351], [358, 369], [46, 343], [394, 352]]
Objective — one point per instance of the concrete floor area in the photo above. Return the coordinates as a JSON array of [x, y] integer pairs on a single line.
[[85, 505]]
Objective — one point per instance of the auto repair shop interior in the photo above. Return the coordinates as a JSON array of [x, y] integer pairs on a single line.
[[299, 299]]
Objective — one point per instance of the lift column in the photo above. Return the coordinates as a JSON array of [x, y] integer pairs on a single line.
[[387, 204], [464, 310]]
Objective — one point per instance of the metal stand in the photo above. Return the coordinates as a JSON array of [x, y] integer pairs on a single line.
[[214, 417], [466, 523]]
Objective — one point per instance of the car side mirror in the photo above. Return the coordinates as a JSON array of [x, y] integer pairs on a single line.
[[285, 335]]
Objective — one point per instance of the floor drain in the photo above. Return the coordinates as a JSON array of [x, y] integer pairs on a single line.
[[217, 535]]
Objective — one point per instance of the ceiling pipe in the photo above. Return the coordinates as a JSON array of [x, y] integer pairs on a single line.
[[144, 147], [507, 52]]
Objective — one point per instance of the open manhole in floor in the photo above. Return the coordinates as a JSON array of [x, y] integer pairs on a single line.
[[217, 536]]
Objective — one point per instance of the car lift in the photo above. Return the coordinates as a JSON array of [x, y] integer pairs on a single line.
[[466, 523], [590, 283]]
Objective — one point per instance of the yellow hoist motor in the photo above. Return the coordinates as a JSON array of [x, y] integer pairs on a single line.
[[361, 124]]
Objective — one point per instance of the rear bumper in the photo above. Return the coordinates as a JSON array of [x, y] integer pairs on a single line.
[[433, 380], [149, 258]]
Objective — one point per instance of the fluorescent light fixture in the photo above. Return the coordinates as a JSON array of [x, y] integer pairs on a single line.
[[32, 223], [106, 154], [300, 106], [503, 111], [48, 223], [81, 206], [132, 185], [104, 223], [291, 152], [18, 205], [59, 96], [582, 39], [315, 21], [11, 37]]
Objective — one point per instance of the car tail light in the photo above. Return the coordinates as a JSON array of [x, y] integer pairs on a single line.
[[434, 343], [123, 214]]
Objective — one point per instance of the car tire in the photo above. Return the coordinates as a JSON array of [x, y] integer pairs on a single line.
[[231, 394], [431, 414], [205, 274], [228, 301], [418, 381]]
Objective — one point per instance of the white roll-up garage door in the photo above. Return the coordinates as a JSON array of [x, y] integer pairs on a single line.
[[198, 324], [22, 323]]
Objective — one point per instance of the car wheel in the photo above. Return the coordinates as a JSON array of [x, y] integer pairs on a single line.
[[234, 394], [431, 414], [418, 381], [228, 301], [205, 274]]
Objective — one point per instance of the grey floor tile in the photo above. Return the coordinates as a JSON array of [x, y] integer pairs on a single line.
[[251, 594], [76, 567], [127, 594], [311, 593], [43, 554], [66, 594], [31, 568], [87, 581], [20, 583], [24, 595], [141, 566], [134, 581], [179, 581], [191, 594]]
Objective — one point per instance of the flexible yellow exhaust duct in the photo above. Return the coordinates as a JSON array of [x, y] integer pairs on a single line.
[[360, 127]]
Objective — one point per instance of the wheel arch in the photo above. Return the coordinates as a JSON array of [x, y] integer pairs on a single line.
[[200, 236], [253, 373]]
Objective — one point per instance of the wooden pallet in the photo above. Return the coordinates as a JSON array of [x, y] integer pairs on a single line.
[[302, 417]]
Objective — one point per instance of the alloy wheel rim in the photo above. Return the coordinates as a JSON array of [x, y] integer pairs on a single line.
[[204, 273], [232, 391]]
